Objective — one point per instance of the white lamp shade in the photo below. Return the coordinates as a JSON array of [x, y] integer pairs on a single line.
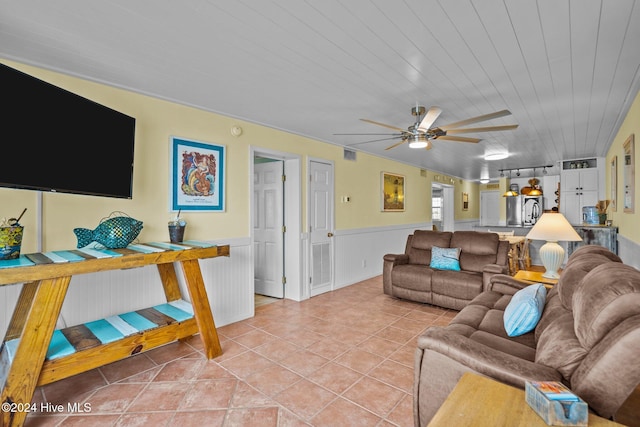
[[553, 227]]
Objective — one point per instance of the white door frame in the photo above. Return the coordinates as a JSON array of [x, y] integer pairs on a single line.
[[448, 209], [308, 234], [293, 256]]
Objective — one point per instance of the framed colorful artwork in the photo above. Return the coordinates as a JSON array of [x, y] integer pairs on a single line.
[[197, 176], [392, 192]]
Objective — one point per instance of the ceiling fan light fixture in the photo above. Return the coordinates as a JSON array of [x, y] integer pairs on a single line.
[[418, 141]]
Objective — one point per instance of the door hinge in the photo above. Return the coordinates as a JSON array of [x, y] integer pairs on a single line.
[[284, 178], [284, 280], [284, 228]]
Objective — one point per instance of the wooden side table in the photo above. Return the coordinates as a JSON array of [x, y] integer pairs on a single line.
[[480, 401], [534, 277]]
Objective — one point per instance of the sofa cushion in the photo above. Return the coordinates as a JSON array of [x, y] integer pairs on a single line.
[[588, 250], [524, 310], [574, 272], [465, 285], [477, 249], [445, 258], [559, 348], [599, 309], [419, 247], [412, 276], [481, 321], [553, 309]]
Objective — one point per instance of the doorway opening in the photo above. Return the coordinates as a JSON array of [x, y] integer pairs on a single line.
[[442, 211], [275, 188]]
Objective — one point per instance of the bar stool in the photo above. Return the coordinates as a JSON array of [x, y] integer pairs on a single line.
[[524, 259], [514, 249]]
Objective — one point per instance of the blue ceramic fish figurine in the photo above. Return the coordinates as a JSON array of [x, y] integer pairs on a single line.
[[112, 233]]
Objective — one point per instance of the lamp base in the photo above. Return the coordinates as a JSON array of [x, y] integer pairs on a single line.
[[551, 255], [551, 274]]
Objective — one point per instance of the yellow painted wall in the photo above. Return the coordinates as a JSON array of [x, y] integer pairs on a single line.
[[627, 223], [156, 122]]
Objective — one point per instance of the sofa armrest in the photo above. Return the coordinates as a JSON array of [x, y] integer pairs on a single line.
[[504, 284], [390, 261], [490, 270], [485, 360], [397, 258]]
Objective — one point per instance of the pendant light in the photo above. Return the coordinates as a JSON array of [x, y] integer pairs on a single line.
[[535, 188], [510, 192]]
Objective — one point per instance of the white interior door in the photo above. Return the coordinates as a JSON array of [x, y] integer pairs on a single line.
[[321, 227], [268, 231], [489, 208]]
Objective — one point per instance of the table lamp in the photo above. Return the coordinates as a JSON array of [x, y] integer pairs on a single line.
[[552, 227]]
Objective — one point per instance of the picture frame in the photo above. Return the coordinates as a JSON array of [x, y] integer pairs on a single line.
[[465, 201], [197, 176], [392, 192], [613, 181], [629, 173]]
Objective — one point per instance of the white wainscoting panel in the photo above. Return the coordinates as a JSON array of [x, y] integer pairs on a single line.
[[629, 251], [359, 252], [229, 283]]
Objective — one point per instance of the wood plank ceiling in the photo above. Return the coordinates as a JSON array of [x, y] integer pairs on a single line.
[[568, 70]]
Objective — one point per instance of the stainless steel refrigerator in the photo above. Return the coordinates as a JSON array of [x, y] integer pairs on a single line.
[[524, 210]]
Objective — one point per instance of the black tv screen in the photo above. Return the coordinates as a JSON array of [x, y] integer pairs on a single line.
[[55, 140]]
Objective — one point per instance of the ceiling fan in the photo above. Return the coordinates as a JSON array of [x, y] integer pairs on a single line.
[[420, 134]]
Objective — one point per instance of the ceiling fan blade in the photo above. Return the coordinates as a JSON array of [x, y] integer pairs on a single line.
[[476, 119], [482, 129], [342, 134], [429, 118], [373, 140], [396, 144], [458, 138], [383, 125]]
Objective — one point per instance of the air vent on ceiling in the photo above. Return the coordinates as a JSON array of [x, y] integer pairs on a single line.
[[349, 155]]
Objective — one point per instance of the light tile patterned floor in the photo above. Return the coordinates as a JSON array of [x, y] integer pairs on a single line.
[[343, 358]]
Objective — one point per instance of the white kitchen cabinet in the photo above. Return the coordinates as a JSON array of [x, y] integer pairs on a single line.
[[581, 184]]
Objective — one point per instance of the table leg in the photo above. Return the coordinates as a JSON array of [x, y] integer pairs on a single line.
[[201, 308], [21, 310], [39, 324], [169, 281]]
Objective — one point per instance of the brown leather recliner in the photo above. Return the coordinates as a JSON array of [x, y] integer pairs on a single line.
[[588, 337], [409, 276]]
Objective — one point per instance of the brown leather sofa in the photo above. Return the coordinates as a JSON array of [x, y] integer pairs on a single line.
[[587, 337], [409, 276]]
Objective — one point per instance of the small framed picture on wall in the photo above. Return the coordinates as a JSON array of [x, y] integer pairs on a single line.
[[392, 197]]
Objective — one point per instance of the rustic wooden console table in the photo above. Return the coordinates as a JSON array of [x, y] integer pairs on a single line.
[[25, 361]]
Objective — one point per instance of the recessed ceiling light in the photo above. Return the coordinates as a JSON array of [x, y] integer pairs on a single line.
[[496, 156], [484, 181]]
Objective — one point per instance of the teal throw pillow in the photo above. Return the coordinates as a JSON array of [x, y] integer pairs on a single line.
[[445, 258], [524, 310]]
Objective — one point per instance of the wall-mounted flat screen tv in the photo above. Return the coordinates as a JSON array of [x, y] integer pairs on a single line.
[[55, 140]]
